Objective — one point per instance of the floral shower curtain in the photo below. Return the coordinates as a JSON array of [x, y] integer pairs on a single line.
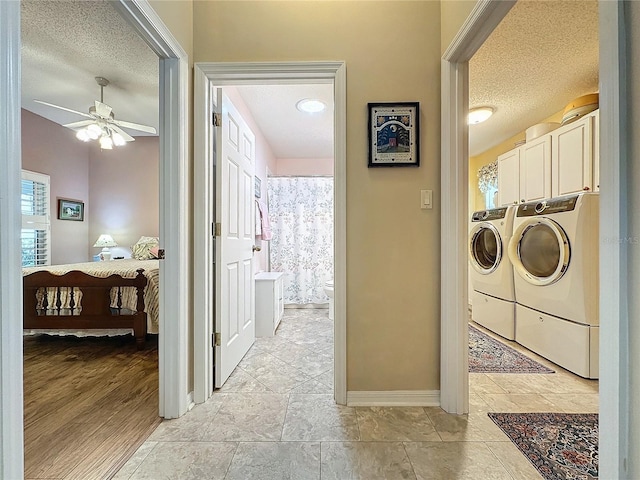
[[301, 216]]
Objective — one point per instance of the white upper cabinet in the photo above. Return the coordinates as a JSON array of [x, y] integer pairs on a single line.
[[509, 178], [535, 170], [524, 173], [572, 157], [564, 161]]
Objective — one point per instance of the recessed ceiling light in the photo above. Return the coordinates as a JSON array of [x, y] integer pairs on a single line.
[[310, 105], [479, 115]]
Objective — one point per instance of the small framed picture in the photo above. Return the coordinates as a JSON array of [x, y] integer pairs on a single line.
[[257, 187], [70, 209], [394, 134]]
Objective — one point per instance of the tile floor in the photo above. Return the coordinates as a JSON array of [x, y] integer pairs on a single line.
[[275, 419]]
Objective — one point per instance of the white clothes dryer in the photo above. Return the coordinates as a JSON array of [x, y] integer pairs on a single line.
[[554, 252], [491, 273]]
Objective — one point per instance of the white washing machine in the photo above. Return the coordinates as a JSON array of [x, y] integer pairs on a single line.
[[491, 273], [554, 252]]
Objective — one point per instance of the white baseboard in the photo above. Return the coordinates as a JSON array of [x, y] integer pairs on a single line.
[[395, 398], [190, 402]]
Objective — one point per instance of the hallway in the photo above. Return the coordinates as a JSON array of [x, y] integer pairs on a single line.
[[275, 419]]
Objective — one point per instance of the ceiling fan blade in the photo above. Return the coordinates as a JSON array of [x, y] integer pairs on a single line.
[[80, 124], [135, 126], [102, 109], [63, 108], [125, 135]]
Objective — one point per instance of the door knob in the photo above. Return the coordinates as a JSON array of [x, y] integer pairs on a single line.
[[255, 248]]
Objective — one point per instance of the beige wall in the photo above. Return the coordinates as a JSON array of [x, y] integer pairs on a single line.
[[52, 149], [393, 246], [633, 55], [453, 14], [124, 193], [177, 15]]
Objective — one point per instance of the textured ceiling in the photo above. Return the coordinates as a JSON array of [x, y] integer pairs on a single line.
[[292, 133], [541, 56], [65, 44]]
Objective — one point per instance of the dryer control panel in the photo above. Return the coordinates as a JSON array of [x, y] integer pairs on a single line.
[[548, 207], [486, 215]]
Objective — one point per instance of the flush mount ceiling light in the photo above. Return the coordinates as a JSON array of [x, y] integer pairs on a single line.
[[310, 105], [479, 115]]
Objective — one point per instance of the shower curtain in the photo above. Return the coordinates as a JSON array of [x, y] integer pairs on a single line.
[[301, 216]]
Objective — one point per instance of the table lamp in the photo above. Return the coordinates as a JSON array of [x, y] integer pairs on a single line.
[[105, 241]]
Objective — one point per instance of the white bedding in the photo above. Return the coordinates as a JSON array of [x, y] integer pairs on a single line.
[[125, 268]]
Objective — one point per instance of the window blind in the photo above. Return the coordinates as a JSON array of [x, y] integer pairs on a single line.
[[36, 227]]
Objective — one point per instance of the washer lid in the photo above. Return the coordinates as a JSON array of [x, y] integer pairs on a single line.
[[485, 248], [539, 251]]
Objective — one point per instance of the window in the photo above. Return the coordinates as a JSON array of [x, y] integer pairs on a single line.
[[36, 223]]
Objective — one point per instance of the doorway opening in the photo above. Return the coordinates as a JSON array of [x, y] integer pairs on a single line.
[[173, 162], [208, 76], [614, 371]]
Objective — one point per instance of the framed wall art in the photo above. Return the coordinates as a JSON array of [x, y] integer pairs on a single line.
[[70, 210], [257, 187], [394, 134]]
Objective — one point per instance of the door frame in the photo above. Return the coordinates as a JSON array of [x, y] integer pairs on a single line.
[[614, 350], [206, 76], [173, 225], [174, 203]]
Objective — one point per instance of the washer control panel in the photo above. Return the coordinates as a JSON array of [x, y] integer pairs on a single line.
[[548, 207], [487, 215]]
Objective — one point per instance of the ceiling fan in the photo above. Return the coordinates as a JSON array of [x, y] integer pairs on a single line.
[[102, 125]]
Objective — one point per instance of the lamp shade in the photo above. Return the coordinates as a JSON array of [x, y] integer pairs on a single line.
[[105, 240]]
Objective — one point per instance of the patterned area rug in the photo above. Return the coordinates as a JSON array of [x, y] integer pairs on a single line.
[[487, 355], [559, 445]]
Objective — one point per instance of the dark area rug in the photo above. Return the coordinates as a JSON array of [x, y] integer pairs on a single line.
[[560, 445], [488, 355]]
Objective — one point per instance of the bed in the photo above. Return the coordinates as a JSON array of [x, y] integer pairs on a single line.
[[88, 299]]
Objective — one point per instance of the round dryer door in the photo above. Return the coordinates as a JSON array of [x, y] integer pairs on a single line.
[[539, 251], [485, 248]]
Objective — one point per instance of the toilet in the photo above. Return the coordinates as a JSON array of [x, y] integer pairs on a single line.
[[328, 289]]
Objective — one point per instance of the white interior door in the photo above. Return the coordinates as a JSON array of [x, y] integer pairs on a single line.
[[235, 216]]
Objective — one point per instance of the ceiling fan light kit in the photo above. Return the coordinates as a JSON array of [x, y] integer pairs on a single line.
[[102, 125]]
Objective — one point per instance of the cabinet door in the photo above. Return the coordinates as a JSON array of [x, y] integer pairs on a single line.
[[535, 170], [572, 157], [509, 178]]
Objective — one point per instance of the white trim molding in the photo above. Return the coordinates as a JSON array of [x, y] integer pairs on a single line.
[[394, 398], [11, 410], [174, 203], [278, 73], [454, 361], [614, 286], [203, 238]]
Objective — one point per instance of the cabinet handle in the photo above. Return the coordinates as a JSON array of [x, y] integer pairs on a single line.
[[586, 189], [515, 202], [522, 200]]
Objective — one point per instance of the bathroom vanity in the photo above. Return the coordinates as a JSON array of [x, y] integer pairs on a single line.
[[269, 302]]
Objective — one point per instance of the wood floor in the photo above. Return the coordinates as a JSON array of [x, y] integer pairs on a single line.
[[88, 404]]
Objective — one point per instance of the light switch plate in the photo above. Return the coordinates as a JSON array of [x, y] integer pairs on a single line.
[[426, 199]]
